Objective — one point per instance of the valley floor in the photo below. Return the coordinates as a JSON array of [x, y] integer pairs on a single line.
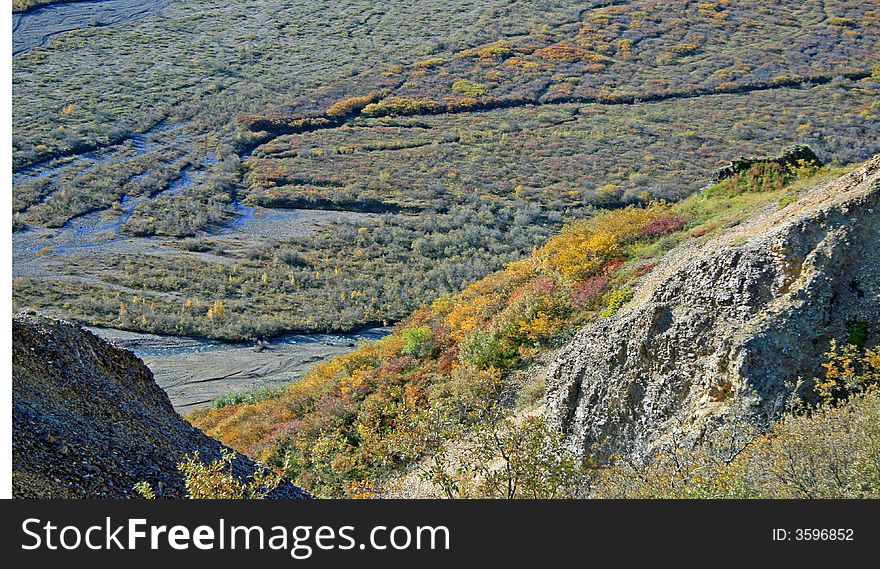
[[195, 372]]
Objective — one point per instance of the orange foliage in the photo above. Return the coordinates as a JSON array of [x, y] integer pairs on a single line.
[[351, 106]]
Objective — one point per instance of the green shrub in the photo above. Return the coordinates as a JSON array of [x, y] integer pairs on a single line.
[[249, 398], [483, 350], [617, 299], [417, 341], [858, 333], [469, 88]]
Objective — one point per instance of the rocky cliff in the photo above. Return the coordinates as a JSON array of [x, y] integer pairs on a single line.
[[89, 420], [742, 315]]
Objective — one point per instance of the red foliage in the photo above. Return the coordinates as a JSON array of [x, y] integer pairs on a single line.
[[544, 285], [448, 359], [612, 266], [587, 290], [414, 396], [663, 226], [541, 286], [642, 270]]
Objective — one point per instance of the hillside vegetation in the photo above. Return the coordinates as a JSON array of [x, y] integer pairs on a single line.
[[452, 367]]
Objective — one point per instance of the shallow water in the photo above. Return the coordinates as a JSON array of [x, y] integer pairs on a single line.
[[37, 27], [136, 145]]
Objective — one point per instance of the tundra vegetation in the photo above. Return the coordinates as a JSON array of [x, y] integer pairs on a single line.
[[451, 371], [469, 147], [23, 5]]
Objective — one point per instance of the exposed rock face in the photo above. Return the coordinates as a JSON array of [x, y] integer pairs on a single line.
[[794, 155], [89, 421], [745, 313]]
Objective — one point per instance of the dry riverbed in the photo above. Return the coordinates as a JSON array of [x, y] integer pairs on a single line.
[[194, 372], [36, 27]]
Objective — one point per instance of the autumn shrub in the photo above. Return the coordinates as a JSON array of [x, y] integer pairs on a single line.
[[585, 292], [215, 480], [534, 313], [469, 88], [470, 393], [400, 106], [431, 63], [483, 349], [477, 304], [617, 299], [664, 225], [145, 490], [496, 50], [417, 341], [561, 52], [351, 106], [644, 269], [582, 248], [831, 453], [847, 369]]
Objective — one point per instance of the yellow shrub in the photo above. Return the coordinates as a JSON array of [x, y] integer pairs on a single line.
[[581, 249], [350, 106]]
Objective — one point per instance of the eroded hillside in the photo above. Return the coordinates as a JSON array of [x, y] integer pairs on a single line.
[[744, 315], [89, 421]]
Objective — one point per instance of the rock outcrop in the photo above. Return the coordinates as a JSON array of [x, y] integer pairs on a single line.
[[744, 314], [89, 421], [798, 154]]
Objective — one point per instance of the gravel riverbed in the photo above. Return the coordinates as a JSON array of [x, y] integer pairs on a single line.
[[194, 372]]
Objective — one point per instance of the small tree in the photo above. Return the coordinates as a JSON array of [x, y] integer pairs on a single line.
[[217, 310], [506, 459], [215, 480]]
